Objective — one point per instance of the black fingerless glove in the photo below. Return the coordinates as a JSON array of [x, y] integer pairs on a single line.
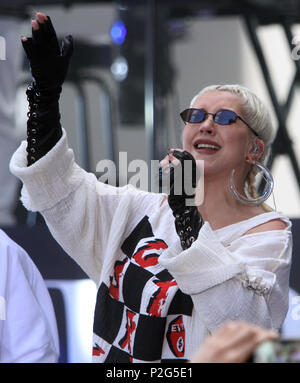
[[188, 220], [49, 64]]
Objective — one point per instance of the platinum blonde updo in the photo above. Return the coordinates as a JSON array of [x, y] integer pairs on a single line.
[[258, 117]]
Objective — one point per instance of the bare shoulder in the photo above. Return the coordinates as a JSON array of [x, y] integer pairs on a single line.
[[274, 224]]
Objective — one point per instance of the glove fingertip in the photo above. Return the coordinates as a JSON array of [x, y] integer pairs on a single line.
[[68, 46], [28, 46], [49, 21], [69, 40]]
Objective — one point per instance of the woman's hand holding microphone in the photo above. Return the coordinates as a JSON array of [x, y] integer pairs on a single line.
[[188, 220]]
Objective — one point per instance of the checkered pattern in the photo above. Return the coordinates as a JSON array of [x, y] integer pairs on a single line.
[[139, 317]]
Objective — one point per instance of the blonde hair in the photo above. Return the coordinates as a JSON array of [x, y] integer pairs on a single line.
[[257, 116]]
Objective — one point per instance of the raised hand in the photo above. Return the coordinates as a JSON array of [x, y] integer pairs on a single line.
[[48, 60], [49, 64]]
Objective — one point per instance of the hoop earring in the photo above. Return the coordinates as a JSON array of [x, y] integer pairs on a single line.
[[254, 201]]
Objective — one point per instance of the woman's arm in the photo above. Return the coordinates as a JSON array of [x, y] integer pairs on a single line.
[[248, 280], [80, 212], [49, 64], [84, 215]]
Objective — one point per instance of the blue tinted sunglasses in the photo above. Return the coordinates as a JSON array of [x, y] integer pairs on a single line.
[[222, 117]]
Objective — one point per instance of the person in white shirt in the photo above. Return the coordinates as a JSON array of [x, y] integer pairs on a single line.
[[10, 64], [167, 274], [28, 330]]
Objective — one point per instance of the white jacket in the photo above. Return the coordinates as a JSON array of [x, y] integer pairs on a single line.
[[155, 302]]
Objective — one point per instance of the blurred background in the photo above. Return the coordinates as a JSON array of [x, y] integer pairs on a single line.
[[136, 66]]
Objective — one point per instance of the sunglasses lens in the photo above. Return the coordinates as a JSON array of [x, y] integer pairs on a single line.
[[193, 116], [225, 117]]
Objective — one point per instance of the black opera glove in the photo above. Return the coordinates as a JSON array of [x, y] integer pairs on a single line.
[[188, 220], [43, 124], [49, 64]]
